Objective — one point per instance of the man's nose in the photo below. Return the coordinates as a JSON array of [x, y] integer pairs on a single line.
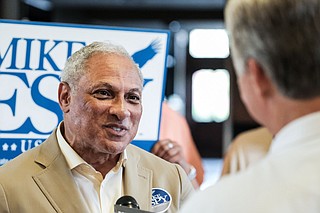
[[119, 108]]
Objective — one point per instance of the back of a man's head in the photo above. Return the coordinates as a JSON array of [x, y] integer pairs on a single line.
[[283, 36]]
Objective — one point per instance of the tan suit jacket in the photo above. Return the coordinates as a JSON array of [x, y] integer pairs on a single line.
[[39, 180], [247, 148]]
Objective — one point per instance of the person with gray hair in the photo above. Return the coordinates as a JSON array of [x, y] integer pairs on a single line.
[[88, 163], [275, 49]]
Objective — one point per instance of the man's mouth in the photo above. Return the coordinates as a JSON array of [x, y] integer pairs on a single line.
[[116, 129]]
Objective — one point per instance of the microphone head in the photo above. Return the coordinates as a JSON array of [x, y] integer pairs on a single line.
[[128, 201]]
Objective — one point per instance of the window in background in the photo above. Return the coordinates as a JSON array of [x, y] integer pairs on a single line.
[[210, 95], [210, 87], [209, 43]]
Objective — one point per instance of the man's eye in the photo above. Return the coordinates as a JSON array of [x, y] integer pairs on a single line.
[[134, 98], [101, 94]]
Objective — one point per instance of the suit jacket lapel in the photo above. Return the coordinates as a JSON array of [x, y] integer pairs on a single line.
[[137, 181], [56, 181]]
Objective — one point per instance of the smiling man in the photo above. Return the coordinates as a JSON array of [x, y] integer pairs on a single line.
[[88, 163]]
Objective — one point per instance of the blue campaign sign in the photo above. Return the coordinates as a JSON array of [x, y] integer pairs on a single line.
[[32, 55]]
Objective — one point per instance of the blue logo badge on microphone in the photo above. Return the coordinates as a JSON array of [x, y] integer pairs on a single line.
[[161, 200]]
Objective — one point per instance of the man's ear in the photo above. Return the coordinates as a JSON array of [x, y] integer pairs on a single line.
[[64, 96], [258, 77]]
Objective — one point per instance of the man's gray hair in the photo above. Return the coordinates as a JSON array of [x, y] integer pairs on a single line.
[[75, 67], [283, 36]]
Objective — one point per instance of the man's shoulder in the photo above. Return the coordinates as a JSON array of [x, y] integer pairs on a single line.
[[20, 164], [146, 158], [28, 157], [17, 170], [134, 150]]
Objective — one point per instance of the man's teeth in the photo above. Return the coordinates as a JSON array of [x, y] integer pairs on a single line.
[[116, 129]]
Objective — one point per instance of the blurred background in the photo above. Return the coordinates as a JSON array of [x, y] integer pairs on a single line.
[[200, 83]]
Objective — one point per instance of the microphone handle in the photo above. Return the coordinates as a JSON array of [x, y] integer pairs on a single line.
[[124, 209]]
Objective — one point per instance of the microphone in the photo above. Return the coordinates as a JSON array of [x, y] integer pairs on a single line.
[[160, 203], [128, 201], [127, 204]]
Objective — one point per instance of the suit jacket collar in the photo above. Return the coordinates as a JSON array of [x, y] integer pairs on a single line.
[[55, 180], [137, 180]]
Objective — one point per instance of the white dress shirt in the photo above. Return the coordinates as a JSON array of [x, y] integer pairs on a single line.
[[100, 194], [286, 181]]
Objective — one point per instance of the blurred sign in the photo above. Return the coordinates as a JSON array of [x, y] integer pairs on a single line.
[[32, 55]]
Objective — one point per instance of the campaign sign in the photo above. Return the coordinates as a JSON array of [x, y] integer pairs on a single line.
[[32, 55]]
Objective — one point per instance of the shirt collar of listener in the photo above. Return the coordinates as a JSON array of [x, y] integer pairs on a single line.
[[74, 160], [303, 129]]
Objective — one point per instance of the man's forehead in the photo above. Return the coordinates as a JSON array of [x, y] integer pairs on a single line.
[[117, 65]]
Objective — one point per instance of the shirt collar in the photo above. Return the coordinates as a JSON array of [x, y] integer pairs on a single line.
[[302, 129], [72, 157]]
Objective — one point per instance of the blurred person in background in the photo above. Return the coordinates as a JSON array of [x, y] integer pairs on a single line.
[[176, 144], [248, 148]]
